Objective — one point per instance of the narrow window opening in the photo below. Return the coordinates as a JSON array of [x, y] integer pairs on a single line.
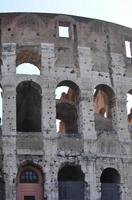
[[64, 29], [129, 103], [128, 49], [129, 110]]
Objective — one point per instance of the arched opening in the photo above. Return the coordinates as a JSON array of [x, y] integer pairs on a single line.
[[30, 183], [110, 184], [104, 106], [67, 93], [71, 183], [28, 62], [28, 107], [27, 68]]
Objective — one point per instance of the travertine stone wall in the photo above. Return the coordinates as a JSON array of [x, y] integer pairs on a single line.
[[92, 56]]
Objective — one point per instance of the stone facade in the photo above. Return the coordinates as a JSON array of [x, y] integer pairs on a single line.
[[92, 57]]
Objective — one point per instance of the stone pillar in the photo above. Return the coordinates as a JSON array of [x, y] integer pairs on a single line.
[[118, 70], [87, 126], [49, 113], [9, 139], [49, 123], [85, 61], [9, 59], [51, 186], [92, 180], [9, 109], [122, 122], [9, 167], [47, 59]]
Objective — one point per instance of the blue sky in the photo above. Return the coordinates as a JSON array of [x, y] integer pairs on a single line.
[[118, 11]]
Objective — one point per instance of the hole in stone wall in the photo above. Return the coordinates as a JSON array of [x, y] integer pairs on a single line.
[[28, 107], [129, 110], [71, 173], [110, 175], [66, 108], [101, 103], [71, 182], [63, 29], [128, 49], [129, 103], [27, 68], [66, 114], [61, 91], [110, 188], [104, 106]]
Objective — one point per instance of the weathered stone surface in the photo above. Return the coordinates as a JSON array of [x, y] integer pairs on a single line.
[[92, 57]]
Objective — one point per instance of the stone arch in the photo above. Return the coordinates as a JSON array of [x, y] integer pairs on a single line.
[[67, 107], [110, 184], [28, 56], [73, 87], [104, 106], [103, 97], [28, 106], [71, 182], [30, 179]]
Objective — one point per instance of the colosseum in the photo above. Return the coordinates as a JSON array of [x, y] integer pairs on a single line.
[[66, 132]]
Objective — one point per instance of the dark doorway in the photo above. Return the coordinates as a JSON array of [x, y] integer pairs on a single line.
[[2, 189], [29, 197], [71, 183], [110, 187], [28, 107]]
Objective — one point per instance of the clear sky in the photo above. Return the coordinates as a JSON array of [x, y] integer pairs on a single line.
[[118, 11]]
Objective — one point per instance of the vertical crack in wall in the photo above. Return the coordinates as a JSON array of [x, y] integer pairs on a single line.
[[76, 49], [109, 60]]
